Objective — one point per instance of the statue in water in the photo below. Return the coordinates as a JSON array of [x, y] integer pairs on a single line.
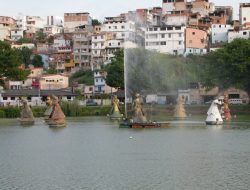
[[26, 114], [49, 109], [226, 110], [57, 117], [139, 113], [115, 111], [179, 111], [213, 114]]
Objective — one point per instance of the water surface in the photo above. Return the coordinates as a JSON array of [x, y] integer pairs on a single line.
[[93, 153]]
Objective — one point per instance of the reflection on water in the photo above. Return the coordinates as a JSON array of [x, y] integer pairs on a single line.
[[93, 153]]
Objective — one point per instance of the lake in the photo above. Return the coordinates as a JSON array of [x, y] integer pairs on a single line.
[[94, 153]]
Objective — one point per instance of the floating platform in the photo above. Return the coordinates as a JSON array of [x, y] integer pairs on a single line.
[[214, 122], [126, 124]]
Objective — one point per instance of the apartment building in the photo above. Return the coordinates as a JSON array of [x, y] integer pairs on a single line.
[[6, 25], [196, 41], [98, 56], [219, 33], [244, 13], [82, 49], [34, 23], [76, 20], [167, 39], [16, 34], [233, 34]]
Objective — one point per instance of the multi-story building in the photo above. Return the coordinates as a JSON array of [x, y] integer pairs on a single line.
[[76, 20], [100, 86], [21, 22], [201, 6], [167, 39], [219, 33], [233, 34], [176, 18], [82, 49], [6, 25], [34, 23], [244, 13], [196, 41], [98, 50]]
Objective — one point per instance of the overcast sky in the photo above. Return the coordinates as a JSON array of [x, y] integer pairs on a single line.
[[97, 8]]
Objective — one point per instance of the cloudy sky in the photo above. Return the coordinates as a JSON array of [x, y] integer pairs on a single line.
[[97, 8]]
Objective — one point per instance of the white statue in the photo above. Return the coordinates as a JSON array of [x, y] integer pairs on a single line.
[[213, 114]]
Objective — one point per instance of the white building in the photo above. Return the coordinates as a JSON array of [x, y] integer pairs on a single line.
[[168, 6], [176, 18], [51, 29], [232, 34], [34, 23], [244, 13], [98, 47], [21, 22], [168, 39], [16, 34], [219, 33], [52, 82]]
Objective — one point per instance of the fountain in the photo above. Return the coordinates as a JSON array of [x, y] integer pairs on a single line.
[[27, 117], [57, 117], [115, 111], [49, 109], [213, 114], [179, 111]]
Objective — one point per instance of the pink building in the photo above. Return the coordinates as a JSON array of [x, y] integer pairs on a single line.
[[196, 41]]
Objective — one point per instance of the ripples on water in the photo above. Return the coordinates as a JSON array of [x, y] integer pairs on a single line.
[[93, 153]]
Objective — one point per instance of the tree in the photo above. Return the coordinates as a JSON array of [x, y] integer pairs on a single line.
[[40, 37], [228, 66], [24, 40], [37, 61], [96, 22], [52, 70], [10, 62], [26, 55], [115, 70], [82, 77]]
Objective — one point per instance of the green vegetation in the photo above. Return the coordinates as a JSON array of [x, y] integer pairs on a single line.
[[40, 37], [96, 22], [228, 66], [26, 54], [24, 40], [83, 77], [10, 61], [37, 61], [115, 70]]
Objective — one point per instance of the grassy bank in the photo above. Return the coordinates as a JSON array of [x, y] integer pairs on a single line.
[[73, 109]]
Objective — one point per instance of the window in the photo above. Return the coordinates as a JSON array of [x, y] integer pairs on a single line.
[[69, 97], [180, 34], [193, 33], [177, 28], [244, 18], [162, 35], [169, 35], [163, 43], [170, 28], [109, 27], [5, 98], [119, 43], [12, 98], [180, 42], [244, 33], [155, 29], [115, 27], [123, 27]]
